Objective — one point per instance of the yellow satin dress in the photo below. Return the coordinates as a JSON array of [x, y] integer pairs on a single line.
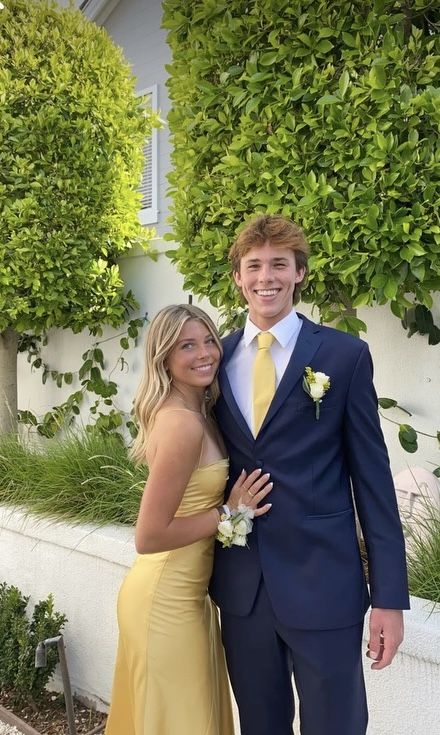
[[170, 676]]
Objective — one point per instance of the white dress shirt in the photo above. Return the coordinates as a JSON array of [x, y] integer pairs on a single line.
[[239, 368]]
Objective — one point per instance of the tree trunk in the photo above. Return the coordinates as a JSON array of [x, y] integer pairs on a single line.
[[8, 381]]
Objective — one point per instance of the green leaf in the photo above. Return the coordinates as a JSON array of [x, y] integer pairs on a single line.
[[328, 99], [269, 58], [98, 356], [390, 289], [362, 299], [324, 46], [344, 81], [349, 39], [387, 402], [377, 77], [423, 319], [85, 368], [408, 438]]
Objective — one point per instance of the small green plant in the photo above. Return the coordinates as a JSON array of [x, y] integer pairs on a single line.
[[85, 477], [19, 637]]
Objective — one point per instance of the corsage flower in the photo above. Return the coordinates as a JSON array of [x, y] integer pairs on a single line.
[[233, 529], [316, 386]]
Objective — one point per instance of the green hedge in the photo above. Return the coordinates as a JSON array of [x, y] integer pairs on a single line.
[[71, 136], [325, 112]]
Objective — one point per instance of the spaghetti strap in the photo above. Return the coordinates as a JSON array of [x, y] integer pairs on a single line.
[[201, 451]]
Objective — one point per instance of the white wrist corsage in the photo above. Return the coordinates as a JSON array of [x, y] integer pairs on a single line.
[[234, 528], [316, 386]]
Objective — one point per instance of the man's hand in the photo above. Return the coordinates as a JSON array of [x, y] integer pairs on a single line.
[[386, 635]]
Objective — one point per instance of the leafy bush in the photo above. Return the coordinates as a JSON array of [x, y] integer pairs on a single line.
[[84, 477], [325, 112], [71, 136], [19, 638]]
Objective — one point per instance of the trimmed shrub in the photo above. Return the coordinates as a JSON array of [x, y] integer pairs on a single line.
[[19, 637], [325, 112]]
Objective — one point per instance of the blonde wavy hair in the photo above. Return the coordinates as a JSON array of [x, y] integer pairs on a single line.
[[155, 385]]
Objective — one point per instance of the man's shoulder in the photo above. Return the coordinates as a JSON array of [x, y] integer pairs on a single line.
[[231, 338], [339, 339]]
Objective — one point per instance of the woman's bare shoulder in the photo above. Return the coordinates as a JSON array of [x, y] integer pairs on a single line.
[[175, 415], [175, 429]]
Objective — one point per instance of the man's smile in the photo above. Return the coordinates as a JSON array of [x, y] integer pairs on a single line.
[[267, 291]]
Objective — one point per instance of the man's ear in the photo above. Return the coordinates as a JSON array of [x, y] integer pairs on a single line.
[[237, 278], [300, 275]]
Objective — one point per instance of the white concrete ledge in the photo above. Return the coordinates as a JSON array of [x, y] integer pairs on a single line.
[[83, 567]]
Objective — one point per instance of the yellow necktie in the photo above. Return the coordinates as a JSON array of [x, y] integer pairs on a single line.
[[263, 379]]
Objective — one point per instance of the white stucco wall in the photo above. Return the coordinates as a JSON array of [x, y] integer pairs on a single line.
[[83, 567]]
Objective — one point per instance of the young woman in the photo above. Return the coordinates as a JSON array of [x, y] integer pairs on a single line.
[[170, 672]]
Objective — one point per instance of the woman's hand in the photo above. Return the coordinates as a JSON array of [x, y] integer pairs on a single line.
[[250, 490]]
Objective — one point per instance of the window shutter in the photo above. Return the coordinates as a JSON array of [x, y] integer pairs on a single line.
[[148, 213]]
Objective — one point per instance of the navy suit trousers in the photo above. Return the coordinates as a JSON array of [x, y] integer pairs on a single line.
[[262, 655]]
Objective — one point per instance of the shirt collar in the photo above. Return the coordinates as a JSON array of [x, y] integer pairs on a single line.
[[283, 331]]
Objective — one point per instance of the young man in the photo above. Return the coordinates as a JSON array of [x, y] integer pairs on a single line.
[[294, 600]]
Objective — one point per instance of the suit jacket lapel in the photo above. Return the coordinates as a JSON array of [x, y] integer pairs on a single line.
[[308, 342]]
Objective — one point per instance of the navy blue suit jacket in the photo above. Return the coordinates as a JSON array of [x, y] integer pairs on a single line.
[[306, 547]]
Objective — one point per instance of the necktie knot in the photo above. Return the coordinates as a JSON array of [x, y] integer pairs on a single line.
[[264, 340]]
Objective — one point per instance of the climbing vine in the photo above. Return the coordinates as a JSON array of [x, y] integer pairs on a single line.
[[90, 378]]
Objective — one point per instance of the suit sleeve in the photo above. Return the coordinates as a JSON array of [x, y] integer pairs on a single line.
[[373, 490]]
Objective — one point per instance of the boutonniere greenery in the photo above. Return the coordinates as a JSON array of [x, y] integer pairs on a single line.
[[316, 386]]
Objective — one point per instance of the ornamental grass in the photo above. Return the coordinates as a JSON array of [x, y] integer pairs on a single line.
[[85, 477], [423, 553]]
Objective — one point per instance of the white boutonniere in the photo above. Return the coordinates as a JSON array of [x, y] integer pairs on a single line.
[[316, 386]]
